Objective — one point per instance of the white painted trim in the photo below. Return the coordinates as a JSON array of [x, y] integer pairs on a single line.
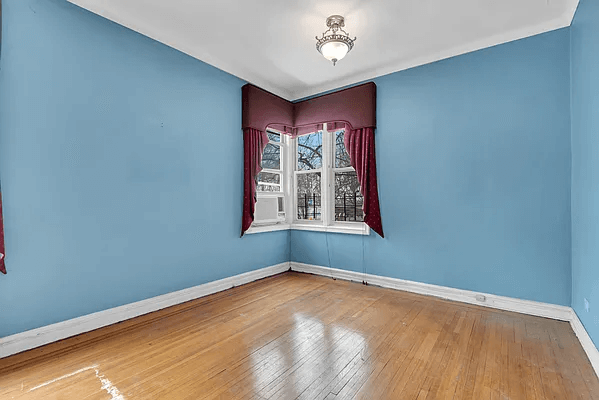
[[530, 307], [564, 21], [569, 15], [267, 228], [158, 34], [546, 310], [243, 72], [585, 341], [359, 229], [38, 337], [51, 333]]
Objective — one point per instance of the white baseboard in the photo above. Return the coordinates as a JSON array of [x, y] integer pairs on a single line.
[[585, 341], [546, 310], [47, 334], [529, 307]]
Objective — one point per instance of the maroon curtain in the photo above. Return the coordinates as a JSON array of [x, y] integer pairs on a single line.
[[254, 142], [360, 146], [2, 265]]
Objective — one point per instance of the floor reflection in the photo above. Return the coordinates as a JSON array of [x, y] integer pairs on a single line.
[[305, 361]]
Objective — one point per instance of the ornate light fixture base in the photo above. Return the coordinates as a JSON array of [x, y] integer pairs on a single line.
[[335, 43]]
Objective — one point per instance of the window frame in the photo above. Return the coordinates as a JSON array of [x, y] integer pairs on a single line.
[[263, 226], [289, 172], [281, 170], [296, 172]]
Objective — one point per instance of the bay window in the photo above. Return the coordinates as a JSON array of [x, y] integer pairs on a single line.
[[298, 173], [311, 175]]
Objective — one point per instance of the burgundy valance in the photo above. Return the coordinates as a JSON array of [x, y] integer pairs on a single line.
[[261, 109], [355, 106]]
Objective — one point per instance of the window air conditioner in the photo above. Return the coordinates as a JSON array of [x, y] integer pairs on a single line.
[[269, 210]]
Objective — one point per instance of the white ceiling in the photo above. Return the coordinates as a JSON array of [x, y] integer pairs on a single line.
[[271, 43]]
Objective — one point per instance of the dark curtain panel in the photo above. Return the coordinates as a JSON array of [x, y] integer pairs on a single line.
[[254, 142], [360, 146], [2, 265]]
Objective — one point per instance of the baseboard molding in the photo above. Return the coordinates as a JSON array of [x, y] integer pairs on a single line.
[[546, 310], [585, 341], [62, 330], [51, 333]]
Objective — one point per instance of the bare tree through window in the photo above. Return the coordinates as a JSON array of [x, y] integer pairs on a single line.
[[309, 151], [309, 188]]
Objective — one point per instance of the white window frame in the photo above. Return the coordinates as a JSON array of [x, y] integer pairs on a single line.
[[283, 144], [281, 170], [297, 172], [289, 174]]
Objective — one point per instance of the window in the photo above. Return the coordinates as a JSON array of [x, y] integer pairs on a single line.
[[308, 177], [326, 185], [270, 179], [348, 199], [270, 204], [312, 176]]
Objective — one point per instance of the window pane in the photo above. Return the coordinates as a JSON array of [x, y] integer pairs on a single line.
[[308, 196], [309, 151], [273, 136], [341, 155], [268, 177], [268, 188], [348, 199], [271, 158]]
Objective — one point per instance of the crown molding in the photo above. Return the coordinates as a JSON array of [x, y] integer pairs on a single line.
[[155, 33], [245, 74], [484, 43]]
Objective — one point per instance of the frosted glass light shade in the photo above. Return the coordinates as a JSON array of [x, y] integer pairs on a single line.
[[334, 51]]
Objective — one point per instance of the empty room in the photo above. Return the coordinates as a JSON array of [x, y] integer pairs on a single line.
[[392, 199]]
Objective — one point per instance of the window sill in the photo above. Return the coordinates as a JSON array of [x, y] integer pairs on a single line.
[[360, 229], [357, 229], [267, 228]]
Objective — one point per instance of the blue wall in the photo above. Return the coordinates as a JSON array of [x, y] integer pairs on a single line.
[[121, 168], [585, 164], [474, 174]]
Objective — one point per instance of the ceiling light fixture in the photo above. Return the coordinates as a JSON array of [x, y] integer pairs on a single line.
[[335, 43]]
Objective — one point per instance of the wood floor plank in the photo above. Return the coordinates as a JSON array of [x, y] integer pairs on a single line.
[[298, 336], [378, 358]]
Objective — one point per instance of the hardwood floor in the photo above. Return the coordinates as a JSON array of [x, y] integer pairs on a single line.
[[307, 337]]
